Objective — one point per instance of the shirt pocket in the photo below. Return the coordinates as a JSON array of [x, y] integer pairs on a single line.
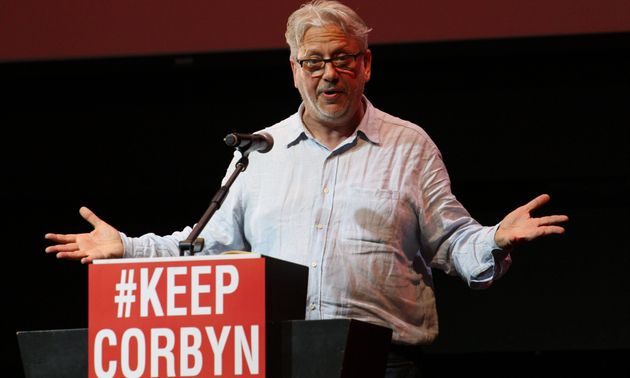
[[369, 215]]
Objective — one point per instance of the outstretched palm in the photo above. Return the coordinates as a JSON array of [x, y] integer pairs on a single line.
[[519, 226], [102, 243]]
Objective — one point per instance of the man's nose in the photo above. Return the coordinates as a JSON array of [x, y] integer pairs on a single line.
[[330, 72]]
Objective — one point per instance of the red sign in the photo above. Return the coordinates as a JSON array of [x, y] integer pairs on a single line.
[[177, 317]]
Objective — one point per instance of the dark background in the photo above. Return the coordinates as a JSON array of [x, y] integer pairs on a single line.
[[139, 141]]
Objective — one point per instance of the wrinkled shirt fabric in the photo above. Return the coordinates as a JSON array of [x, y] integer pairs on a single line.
[[370, 219]]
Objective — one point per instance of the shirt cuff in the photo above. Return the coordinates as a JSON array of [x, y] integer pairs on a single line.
[[491, 258]]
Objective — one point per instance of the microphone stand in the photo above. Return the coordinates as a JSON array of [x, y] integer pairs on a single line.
[[194, 243]]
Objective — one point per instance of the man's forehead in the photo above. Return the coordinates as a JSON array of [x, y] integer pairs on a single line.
[[328, 38]]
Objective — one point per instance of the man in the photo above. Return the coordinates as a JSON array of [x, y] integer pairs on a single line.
[[361, 197]]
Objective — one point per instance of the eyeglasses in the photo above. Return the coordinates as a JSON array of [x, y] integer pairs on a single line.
[[316, 66]]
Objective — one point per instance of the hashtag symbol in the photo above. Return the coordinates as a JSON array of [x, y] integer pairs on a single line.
[[125, 289]]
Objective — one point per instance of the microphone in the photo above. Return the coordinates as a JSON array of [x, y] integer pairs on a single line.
[[261, 142]]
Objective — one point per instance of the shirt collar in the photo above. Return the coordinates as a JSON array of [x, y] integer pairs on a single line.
[[368, 128]]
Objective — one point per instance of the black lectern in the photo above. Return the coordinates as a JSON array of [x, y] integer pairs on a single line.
[[56, 353], [336, 348], [295, 347]]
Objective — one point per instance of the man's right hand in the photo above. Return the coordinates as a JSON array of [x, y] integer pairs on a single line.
[[103, 242]]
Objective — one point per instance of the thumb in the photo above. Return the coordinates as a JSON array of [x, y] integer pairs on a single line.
[[537, 202], [89, 216]]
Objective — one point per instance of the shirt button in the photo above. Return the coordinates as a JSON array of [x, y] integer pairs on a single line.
[[314, 264], [312, 307], [319, 226], [325, 189]]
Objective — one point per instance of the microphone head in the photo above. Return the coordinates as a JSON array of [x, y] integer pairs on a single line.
[[261, 142], [231, 140]]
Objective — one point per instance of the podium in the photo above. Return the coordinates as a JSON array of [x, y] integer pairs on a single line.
[[334, 348], [289, 346], [55, 353]]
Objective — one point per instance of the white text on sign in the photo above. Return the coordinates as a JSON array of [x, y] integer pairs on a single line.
[[191, 347], [226, 281]]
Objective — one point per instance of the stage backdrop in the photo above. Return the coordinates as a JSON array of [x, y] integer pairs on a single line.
[[34, 29]]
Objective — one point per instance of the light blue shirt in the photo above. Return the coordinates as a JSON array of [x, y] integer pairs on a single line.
[[369, 218]]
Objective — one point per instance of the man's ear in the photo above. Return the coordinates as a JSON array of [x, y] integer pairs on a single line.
[[367, 64], [294, 67]]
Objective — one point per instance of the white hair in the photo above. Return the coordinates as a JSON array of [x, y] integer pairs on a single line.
[[320, 13]]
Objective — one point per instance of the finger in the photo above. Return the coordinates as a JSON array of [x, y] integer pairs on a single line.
[[537, 202], [61, 238], [552, 220], [548, 230], [89, 216], [74, 255], [70, 247]]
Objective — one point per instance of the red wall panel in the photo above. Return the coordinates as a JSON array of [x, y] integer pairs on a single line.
[[37, 29]]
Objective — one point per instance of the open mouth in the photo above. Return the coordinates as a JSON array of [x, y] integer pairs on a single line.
[[331, 93]]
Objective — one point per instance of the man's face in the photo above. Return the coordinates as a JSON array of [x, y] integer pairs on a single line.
[[332, 96]]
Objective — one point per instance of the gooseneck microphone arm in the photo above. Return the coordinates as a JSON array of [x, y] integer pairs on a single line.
[[245, 144], [194, 243]]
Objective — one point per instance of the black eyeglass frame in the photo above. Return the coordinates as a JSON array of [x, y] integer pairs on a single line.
[[329, 60]]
